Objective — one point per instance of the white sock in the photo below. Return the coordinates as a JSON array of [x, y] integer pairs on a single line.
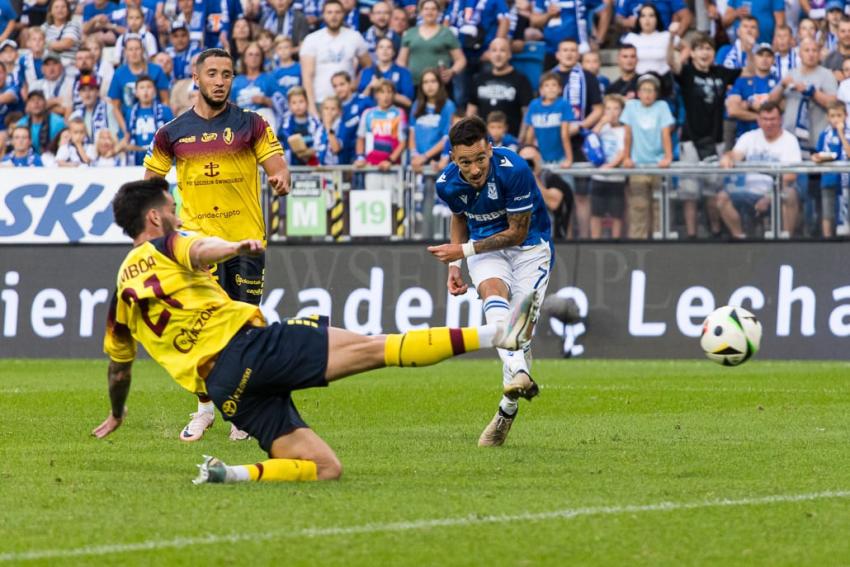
[[508, 405], [206, 407], [237, 473]]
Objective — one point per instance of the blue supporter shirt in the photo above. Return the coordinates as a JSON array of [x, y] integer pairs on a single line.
[[90, 10], [32, 159], [309, 128], [753, 90], [143, 124], [245, 89], [546, 119], [510, 189], [5, 109], [400, 77], [666, 9], [828, 141], [352, 110], [509, 141], [7, 14], [431, 127], [763, 11], [182, 61], [564, 27], [123, 85]]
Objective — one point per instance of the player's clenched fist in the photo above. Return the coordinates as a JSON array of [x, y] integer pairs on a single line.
[[455, 282], [250, 247], [280, 183]]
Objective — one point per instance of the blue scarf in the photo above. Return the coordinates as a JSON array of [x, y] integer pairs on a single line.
[[736, 58], [574, 92]]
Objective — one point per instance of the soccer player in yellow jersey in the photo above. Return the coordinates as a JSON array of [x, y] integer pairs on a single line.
[[167, 300], [217, 147]]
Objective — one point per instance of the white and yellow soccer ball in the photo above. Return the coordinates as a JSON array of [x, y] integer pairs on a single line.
[[730, 336]]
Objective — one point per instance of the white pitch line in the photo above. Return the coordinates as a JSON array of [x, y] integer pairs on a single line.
[[565, 514]]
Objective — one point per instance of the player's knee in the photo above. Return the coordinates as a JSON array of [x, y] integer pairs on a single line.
[[329, 469]]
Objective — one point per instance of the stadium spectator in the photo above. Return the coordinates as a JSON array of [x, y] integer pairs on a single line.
[[749, 92], [280, 18], [837, 56], [651, 143], [497, 131], [430, 120], [582, 92], [108, 152], [328, 50], [135, 28], [33, 12], [300, 131], [833, 145], [266, 39], [97, 21], [736, 55], [22, 154], [30, 62], [331, 122], [600, 16], [8, 17], [122, 89], [385, 67], [84, 64], [828, 35], [75, 152], [9, 99], [591, 63], [669, 11], [787, 57], [430, 45], [560, 22], [843, 93], [379, 16], [400, 21], [241, 35], [770, 144], [143, 119], [57, 85], [104, 69], [208, 24], [807, 29], [93, 110], [381, 138], [556, 192], [651, 39], [63, 34], [252, 88], [608, 192], [548, 123], [353, 107], [703, 87], [44, 126], [501, 88], [626, 83], [768, 14]]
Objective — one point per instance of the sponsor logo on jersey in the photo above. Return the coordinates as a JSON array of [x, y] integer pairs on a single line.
[[209, 137], [486, 216], [463, 198], [521, 197], [228, 136], [187, 140], [187, 338], [442, 178], [491, 191]]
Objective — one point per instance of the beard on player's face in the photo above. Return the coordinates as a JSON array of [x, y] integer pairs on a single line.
[[212, 102]]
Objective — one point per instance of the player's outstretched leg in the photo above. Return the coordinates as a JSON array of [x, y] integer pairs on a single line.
[[201, 420]]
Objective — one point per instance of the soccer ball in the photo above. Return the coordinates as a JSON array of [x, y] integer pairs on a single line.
[[730, 335]]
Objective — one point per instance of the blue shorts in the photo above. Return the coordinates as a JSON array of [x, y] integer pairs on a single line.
[[242, 277], [256, 373]]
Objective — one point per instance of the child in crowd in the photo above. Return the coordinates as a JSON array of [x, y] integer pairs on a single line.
[[833, 145], [651, 143], [430, 121], [299, 131], [607, 193], [548, 119], [75, 152], [143, 119], [331, 112], [497, 129], [591, 63], [353, 107], [107, 151], [784, 52], [135, 27], [381, 137]]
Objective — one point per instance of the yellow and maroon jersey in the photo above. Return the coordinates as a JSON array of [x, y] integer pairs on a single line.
[[217, 169], [180, 315]]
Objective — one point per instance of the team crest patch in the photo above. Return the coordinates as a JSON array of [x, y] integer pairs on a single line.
[[228, 136], [491, 191], [270, 135]]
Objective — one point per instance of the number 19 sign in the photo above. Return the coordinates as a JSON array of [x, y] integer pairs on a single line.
[[370, 213]]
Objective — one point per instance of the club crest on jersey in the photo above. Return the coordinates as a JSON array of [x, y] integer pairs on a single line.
[[228, 135], [491, 191]]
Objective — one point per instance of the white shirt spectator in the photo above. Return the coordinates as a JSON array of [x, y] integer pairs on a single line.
[[651, 51], [756, 149], [148, 42], [333, 54], [844, 93], [69, 153]]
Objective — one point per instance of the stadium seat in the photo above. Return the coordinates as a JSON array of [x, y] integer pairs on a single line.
[[529, 61]]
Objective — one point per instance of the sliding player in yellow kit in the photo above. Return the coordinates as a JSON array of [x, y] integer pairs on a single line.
[[167, 300], [218, 147]]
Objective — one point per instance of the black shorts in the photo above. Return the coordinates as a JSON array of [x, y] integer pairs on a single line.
[[255, 374], [607, 197], [242, 277]]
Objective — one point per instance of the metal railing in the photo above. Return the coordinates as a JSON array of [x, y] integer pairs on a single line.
[[409, 199]]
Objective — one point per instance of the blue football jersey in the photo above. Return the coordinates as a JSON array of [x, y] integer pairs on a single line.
[[510, 189]]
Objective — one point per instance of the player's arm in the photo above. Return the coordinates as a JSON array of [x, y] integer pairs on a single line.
[[150, 174], [278, 174], [119, 375], [204, 252], [514, 235]]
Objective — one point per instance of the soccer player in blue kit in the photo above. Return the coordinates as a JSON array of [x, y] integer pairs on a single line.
[[501, 226]]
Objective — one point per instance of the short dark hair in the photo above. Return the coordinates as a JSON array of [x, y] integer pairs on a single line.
[[337, 2], [211, 52], [699, 39], [145, 78], [769, 106], [134, 200], [626, 46], [468, 131], [497, 117], [344, 74]]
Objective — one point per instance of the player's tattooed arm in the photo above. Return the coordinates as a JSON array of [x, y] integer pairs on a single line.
[[119, 386], [514, 235]]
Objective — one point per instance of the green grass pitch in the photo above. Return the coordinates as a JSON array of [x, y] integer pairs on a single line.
[[616, 463]]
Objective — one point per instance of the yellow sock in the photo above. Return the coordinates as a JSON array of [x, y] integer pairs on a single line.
[[281, 470], [429, 346]]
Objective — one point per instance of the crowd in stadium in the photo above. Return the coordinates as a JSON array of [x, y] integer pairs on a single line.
[[369, 82]]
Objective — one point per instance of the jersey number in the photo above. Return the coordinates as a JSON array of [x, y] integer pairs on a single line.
[[129, 295]]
